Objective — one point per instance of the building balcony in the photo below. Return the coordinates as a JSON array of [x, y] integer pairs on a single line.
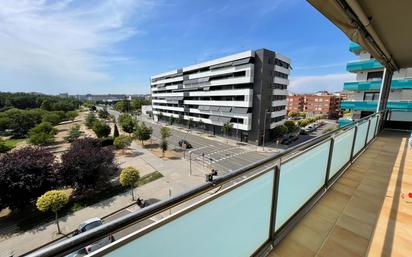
[[372, 105], [376, 85], [340, 194], [363, 65], [354, 47]]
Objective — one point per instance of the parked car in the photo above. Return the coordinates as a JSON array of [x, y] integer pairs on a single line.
[[288, 139], [185, 142], [86, 226]]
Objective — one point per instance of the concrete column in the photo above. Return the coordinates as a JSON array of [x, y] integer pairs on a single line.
[[385, 90]]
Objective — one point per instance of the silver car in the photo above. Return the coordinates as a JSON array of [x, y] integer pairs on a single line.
[[86, 226]]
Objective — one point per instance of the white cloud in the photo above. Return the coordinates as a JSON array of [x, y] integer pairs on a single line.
[[67, 43], [310, 84]]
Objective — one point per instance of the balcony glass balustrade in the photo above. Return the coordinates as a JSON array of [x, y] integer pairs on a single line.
[[372, 105], [363, 65], [253, 211], [376, 85]]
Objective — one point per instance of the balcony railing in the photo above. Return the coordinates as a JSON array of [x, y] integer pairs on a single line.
[[376, 85], [354, 47], [372, 105], [363, 65], [246, 217]]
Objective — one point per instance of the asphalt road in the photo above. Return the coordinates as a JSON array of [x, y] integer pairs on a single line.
[[210, 153]]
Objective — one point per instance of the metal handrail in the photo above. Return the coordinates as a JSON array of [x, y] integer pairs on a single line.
[[82, 240]]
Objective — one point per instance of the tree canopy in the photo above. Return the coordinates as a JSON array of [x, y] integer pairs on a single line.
[[87, 165], [129, 177], [142, 132], [52, 200], [101, 129], [42, 134], [127, 123], [122, 141], [25, 174]]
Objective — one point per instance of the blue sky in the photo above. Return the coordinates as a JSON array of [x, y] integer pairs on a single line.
[[114, 46]]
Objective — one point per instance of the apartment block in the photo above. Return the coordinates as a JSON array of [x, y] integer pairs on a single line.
[[295, 103], [319, 103], [365, 90], [247, 90]]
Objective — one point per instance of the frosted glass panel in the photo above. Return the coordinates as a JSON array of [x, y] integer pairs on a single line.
[[341, 151], [372, 128], [360, 137], [232, 225], [300, 179]]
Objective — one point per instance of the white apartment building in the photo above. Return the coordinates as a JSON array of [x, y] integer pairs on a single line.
[[247, 90]]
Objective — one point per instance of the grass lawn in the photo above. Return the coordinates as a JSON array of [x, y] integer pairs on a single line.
[[13, 142]]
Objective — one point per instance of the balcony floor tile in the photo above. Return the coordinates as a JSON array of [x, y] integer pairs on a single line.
[[366, 213]]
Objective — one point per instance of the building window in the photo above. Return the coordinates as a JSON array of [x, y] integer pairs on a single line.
[[371, 96], [375, 75]]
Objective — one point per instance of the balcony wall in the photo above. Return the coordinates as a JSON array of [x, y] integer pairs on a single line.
[[363, 65], [372, 105], [376, 85], [252, 209]]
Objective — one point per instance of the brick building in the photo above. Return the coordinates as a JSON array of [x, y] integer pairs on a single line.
[[312, 104]]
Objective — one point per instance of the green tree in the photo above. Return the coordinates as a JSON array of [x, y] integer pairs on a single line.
[[101, 129], [103, 113], [42, 134], [280, 130], [127, 123], [165, 132], [52, 118], [142, 132], [163, 146], [201, 124], [291, 126], [190, 123], [129, 177], [116, 130], [71, 115], [122, 142], [171, 120], [293, 114], [74, 133], [90, 119], [159, 116], [53, 200], [227, 128]]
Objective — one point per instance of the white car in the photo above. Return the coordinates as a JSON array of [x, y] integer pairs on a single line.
[[86, 226]]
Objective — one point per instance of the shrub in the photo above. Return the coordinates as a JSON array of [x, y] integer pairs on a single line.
[[107, 141], [4, 148], [52, 118], [74, 133], [101, 129], [71, 115], [122, 141], [90, 120], [42, 134]]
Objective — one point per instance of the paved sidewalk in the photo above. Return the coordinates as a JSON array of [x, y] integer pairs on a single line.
[[176, 179]]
